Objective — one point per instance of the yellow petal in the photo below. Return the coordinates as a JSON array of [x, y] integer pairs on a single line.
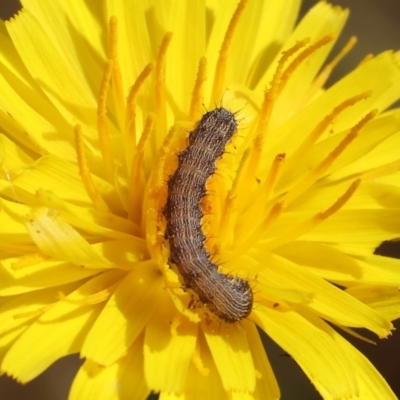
[[11, 156], [370, 383], [69, 323], [332, 264], [323, 19], [381, 76], [359, 157], [269, 27], [266, 385], [230, 349], [13, 231], [121, 381], [134, 42], [377, 225], [57, 239], [29, 273], [327, 300], [40, 116], [313, 345], [94, 222], [168, 347], [114, 331], [203, 380], [44, 54], [55, 175], [386, 300], [187, 46], [18, 312]]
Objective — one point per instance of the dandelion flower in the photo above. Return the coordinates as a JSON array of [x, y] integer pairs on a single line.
[[96, 103]]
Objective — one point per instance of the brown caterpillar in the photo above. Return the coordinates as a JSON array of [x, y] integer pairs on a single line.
[[230, 298]]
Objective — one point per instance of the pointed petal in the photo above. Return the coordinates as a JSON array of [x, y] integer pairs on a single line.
[[168, 347], [69, 323], [123, 380], [327, 300], [314, 346], [59, 240], [19, 312], [29, 273], [266, 385], [230, 348], [114, 330]]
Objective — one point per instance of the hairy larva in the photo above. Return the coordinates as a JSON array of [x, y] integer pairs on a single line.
[[228, 297]]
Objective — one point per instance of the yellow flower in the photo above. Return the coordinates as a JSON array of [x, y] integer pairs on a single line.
[[96, 102]]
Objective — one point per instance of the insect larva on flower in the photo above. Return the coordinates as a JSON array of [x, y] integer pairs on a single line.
[[229, 298]]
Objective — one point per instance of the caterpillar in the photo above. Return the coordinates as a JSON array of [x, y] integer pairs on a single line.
[[228, 297]]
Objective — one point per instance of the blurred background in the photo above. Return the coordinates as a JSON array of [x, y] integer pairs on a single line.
[[377, 26]]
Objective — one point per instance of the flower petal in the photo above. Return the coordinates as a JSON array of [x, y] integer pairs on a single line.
[[11, 156], [322, 20], [133, 37], [44, 54], [314, 345], [168, 347], [332, 264], [114, 331], [230, 349], [69, 323], [382, 75], [61, 177], [19, 312], [266, 385], [377, 225], [57, 239], [186, 48], [386, 300], [203, 381], [371, 384], [30, 273], [123, 380]]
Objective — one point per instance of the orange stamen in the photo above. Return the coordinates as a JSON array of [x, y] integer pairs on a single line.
[[102, 128], [272, 93], [323, 76], [263, 195], [312, 138], [86, 177], [260, 126], [92, 299], [197, 95], [136, 178], [270, 98], [161, 105], [307, 226], [273, 175], [301, 57], [323, 166], [220, 70], [130, 124], [116, 69]]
